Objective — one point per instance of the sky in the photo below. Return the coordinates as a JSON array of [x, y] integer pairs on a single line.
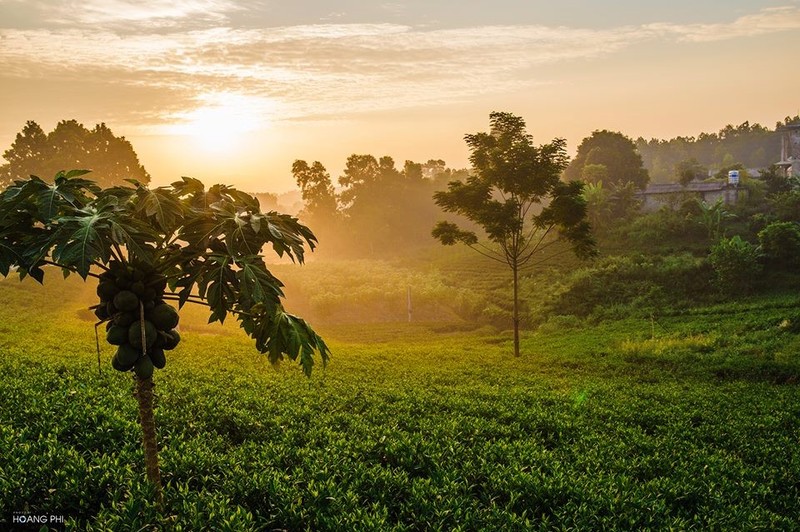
[[234, 91]]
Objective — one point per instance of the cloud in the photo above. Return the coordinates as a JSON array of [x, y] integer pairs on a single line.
[[309, 70], [769, 20], [132, 15]]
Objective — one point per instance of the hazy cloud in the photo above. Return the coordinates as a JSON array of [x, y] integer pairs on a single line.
[[309, 70], [138, 13], [770, 20]]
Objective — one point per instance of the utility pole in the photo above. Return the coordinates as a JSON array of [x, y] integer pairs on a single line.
[[408, 302]]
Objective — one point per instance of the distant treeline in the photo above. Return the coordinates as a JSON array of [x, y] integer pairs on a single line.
[[378, 209], [750, 145]]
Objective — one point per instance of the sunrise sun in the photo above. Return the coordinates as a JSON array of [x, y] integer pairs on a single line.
[[222, 121]]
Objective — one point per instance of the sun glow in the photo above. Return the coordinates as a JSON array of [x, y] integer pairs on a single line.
[[223, 121]]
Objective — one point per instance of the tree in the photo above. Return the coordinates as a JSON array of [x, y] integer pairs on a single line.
[[735, 263], [594, 173], [510, 178], [689, 170], [780, 244], [316, 189], [775, 180], [711, 217], [598, 206], [616, 152], [180, 243], [71, 145], [385, 210]]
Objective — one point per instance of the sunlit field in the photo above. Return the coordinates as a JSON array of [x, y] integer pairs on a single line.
[[686, 422]]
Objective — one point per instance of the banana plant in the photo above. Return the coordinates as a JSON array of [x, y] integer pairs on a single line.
[[148, 247]]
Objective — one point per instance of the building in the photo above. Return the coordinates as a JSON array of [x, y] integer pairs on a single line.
[[790, 150], [673, 194]]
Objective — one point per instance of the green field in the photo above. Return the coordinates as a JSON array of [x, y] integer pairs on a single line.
[[683, 421]]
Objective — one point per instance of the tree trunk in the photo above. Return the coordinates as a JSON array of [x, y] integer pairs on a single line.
[[144, 395], [516, 310]]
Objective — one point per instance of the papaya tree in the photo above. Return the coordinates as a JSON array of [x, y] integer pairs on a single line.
[[149, 247], [515, 194]]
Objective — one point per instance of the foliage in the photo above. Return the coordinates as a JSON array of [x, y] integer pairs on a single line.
[[775, 180], [636, 281], [785, 206], [663, 231], [735, 263], [690, 170], [206, 242], [712, 216], [608, 427], [380, 211], [510, 177], [780, 244], [317, 191], [594, 173], [752, 145], [616, 152], [71, 145], [598, 207]]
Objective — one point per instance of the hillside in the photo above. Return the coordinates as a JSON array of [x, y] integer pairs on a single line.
[[686, 421]]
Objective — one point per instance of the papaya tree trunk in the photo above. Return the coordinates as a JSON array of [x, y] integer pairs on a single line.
[[144, 395]]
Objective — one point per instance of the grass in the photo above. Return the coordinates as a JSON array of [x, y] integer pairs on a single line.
[[684, 422]]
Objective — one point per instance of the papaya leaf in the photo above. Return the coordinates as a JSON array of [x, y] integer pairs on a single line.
[[78, 244], [76, 173], [188, 186], [8, 257], [159, 207]]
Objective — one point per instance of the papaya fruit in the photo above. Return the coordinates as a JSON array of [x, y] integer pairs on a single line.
[[116, 268], [124, 319], [117, 335], [164, 317], [119, 366], [126, 301], [127, 355], [138, 288], [106, 290], [158, 282], [157, 357], [144, 368], [171, 340], [135, 334], [149, 295]]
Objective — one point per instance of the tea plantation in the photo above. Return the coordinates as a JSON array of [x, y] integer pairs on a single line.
[[681, 422]]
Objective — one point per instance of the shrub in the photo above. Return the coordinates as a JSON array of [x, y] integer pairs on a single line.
[[735, 263], [637, 281], [780, 243]]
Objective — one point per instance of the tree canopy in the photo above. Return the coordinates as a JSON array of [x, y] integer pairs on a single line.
[[71, 145], [614, 151], [749, 144], [207, 242], [316, 189], [379, 209]]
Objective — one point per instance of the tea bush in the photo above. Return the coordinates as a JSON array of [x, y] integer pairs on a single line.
[[688, 421]]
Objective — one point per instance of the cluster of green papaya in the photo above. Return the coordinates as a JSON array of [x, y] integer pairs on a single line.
[[126, 293]]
